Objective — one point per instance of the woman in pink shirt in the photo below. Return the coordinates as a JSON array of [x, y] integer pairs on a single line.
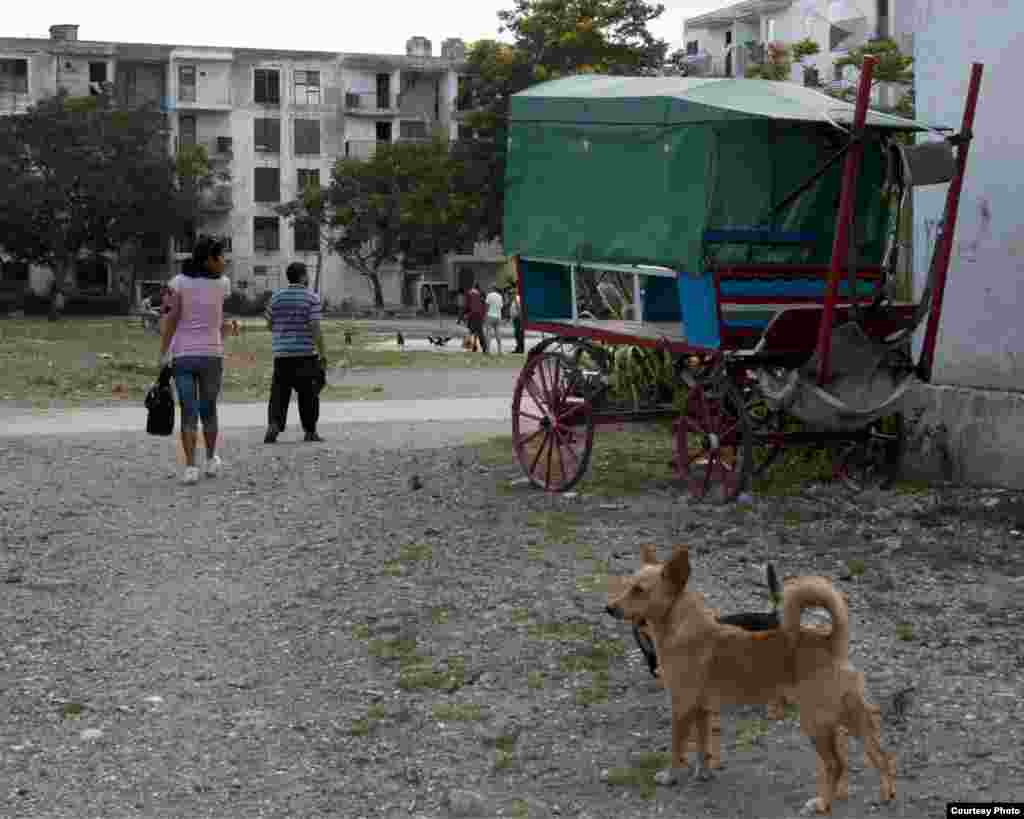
[[192, 333]]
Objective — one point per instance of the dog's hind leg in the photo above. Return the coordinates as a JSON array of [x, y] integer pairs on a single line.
[[833, 770], [864, 721], [707, 756], [842, 752]]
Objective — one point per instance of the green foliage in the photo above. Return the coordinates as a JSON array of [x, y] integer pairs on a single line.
[[892, 67], [804, 48], [409, 198], [777, 65], [312, 210], [81, 177]]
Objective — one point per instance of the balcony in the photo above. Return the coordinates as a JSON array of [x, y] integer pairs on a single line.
[[371, 104], [216, 199], [360, 148]]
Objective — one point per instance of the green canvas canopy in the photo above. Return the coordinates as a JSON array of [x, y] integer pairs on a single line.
[[637, 170]]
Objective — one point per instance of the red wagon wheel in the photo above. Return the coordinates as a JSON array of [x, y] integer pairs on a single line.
[[552, 426], [712, 442]]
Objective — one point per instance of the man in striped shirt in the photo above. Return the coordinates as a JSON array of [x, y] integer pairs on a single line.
[[293, 316]]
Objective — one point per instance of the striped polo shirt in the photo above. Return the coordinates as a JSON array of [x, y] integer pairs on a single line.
[[291, 311]]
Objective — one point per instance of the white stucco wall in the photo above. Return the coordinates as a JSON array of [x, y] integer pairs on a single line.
[[981, 338]]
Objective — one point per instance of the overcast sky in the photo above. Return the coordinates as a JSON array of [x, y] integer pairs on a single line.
[[379, 26]]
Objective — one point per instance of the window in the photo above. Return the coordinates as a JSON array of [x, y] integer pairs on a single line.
[[383, 90], [266, 235], [693, 47], [307, 136], [383, 131], [268, 185], [268, 135], [307, 87], [14, 76], [186, 83], [307, 177], [186, 130], [12, 271], [306, 238], [267, 86], [412, 130], [97, 72]]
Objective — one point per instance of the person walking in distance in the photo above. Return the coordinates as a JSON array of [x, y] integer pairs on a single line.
[[192, 337], [475, 312], [495, 304], [300, 358], [515, 313]]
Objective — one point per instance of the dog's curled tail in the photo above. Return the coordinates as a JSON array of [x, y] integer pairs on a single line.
[[807, 592]]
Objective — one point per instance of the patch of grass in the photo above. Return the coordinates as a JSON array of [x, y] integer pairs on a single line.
[[584, 551], [791, 518], [594, 660], [395, 649], [535, 680], [392, 568], [623, 463], [535, 551], [640, 775], [519, 809], [558, 527], [502, 760], [361, 631], [791, 711], [905, 632], [505, 743], [71, 710], [454, 712], [595, 581], [560, 631], [911, 487], [520, 616], [439, 615], [855, 567], [794, 469], [81, 361], [420, 673], [362, 727], [748, 732], [597, 692], [415, 552]]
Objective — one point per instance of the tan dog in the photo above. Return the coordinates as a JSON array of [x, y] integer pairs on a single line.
[[706, 663]]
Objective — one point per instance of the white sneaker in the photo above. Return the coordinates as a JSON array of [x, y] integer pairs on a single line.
[[191, 475], [213, 466]]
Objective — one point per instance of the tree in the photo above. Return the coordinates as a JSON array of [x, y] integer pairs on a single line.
[[552, 38], [81, 177], [892, 67], [417, 197], [312, 211], [778, 64]]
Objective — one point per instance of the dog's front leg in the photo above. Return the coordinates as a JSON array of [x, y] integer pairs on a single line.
[[682, 722]]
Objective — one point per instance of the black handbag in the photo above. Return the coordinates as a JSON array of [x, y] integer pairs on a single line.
[[160, 405]]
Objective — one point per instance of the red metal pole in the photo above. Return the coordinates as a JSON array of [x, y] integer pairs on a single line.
[[944, 247], [847, 198]]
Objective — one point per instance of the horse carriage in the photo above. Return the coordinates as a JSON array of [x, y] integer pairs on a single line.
[[740, 238]]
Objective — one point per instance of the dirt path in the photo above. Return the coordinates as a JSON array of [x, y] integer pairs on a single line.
[[309, 635]]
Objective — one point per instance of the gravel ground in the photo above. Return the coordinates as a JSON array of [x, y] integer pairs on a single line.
[[310, 635]]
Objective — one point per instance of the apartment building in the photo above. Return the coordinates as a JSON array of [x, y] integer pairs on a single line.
[[270, 121], [726, 42]]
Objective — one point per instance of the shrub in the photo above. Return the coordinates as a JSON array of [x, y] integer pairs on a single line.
[[238, 304]]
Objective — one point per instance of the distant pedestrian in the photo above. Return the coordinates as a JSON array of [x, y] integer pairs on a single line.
[[192, 334], [495, 305], [293, 316], [515, 311], [475, 312]]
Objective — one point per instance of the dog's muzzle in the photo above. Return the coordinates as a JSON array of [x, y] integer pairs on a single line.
[[615, 612]]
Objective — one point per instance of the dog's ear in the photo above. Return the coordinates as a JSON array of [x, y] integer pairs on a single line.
[[648, 555], [677, 570]]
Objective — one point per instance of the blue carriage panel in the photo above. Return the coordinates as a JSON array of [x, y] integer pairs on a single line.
[[788, 288], [661, 299], [546, 290], [698, 304]]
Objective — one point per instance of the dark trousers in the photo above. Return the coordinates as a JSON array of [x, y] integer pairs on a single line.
[[517, 329], [476, 327], [299, 373]]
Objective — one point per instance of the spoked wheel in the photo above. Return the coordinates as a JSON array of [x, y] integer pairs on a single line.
[[552, 424], [713, 442], [861, 464], [767, 422]]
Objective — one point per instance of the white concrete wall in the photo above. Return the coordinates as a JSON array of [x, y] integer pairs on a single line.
[[981, 338]]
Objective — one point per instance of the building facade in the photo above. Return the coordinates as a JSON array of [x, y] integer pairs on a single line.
[[728, 41], [271, 122]]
